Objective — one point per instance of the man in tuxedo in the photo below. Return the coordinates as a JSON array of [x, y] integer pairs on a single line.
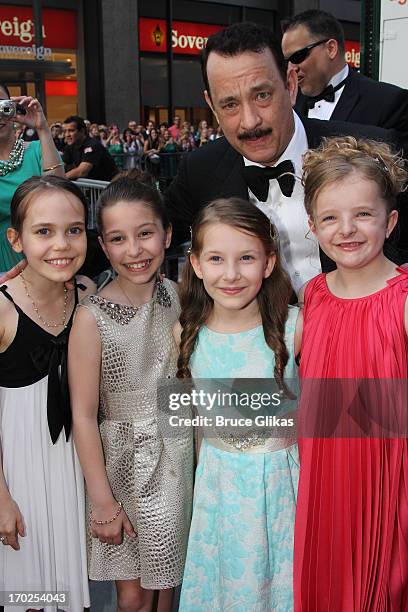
[[313, 44], [250, 92]]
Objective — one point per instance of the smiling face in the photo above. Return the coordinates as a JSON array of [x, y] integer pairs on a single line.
[[252, 103], [351, 222], [134, 241], [317, 69], [232, 265], [53, 236]]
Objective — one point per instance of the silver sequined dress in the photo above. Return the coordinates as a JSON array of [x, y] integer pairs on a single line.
[[149, 473]]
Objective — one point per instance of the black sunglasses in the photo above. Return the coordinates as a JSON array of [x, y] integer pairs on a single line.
[[299, 56]]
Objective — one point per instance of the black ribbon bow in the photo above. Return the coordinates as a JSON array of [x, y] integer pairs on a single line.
[[52, 357], [257, 178], [327, 94]]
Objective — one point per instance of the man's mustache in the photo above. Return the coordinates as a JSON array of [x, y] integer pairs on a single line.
[[257, 133]]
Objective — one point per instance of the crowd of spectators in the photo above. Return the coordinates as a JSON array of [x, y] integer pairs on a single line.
[[157, 148]]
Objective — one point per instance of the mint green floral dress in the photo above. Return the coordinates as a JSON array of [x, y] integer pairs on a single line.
[[240, 549]]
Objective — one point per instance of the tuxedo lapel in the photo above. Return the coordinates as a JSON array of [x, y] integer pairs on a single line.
[[300, 106], [228, 176], [348, 99], [315, 130]]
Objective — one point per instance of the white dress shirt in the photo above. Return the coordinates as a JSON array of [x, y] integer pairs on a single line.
[[299, 249], [324, 109]]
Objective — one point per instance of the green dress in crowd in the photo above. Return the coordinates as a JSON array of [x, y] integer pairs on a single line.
[[32, 165]]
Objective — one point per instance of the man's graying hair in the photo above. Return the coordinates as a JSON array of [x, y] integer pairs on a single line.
[[239, 38]]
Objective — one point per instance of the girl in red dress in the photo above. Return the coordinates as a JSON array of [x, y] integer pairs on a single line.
[[351, 535]]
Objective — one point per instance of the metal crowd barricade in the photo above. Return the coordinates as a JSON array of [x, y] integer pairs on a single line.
[[91, 190]]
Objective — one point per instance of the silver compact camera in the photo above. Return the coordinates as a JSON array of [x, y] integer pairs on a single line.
[[9, 109]]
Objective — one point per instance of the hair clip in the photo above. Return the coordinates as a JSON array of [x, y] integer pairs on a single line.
[[381, 162], [189, 250]]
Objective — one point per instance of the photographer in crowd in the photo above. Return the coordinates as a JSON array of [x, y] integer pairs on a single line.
[[20, 160]]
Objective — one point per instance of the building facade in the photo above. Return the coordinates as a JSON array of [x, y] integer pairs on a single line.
[[110, 61]]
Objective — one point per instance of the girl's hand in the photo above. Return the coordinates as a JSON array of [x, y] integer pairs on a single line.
[[34, 117], [112, 533], [13, 272], [11, 522]]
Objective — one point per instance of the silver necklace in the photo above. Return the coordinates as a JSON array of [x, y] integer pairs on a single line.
[[126, 295], [37, 312], [15, 158]]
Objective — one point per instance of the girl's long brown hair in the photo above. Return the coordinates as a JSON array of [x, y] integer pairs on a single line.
[[273, 297]]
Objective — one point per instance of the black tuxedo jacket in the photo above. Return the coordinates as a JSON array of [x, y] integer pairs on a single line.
[[369, 102], [215, 171]]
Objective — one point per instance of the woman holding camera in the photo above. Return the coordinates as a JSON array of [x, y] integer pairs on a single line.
[[20, 160]]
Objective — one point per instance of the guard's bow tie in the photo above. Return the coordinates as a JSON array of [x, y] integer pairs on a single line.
[[327, 94], [257, 178]]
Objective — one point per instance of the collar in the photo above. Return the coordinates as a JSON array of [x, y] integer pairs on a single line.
[[295, 150], [339, 76]]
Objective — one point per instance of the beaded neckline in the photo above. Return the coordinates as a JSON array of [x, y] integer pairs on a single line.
[[123, 313], [14, 160]]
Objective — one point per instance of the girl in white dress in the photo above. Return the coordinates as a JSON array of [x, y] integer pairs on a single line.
[[42, 526]]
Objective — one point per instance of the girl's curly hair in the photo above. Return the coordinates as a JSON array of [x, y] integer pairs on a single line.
[[341, 156]]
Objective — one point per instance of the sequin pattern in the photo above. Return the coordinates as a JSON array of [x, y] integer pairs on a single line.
[[150, 474]]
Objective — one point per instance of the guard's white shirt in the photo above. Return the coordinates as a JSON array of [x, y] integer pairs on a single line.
[[324, 109], [299, 249]]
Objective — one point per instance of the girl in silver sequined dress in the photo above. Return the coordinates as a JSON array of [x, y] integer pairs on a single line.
[[139, 482]]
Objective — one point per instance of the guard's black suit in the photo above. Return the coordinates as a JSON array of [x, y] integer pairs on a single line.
[[369, 102], [215, 171]]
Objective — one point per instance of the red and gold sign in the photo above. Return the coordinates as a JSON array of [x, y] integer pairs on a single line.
[[352, 53], [188, 38], [17, 27]]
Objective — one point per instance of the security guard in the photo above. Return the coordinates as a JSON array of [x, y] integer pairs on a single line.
[[85, 157]]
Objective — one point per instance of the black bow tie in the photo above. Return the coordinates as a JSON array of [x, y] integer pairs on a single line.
[[257, 178], [327, 94]]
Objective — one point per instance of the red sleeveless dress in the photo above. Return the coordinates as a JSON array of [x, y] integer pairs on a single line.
[[351, 532]]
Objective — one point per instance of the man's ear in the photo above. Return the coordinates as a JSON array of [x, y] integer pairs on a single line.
[[196, 265], [292, 83], [14, 239], [332, 48], [210, 103]]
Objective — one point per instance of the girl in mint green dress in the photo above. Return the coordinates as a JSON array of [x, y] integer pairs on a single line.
[[236, 324]]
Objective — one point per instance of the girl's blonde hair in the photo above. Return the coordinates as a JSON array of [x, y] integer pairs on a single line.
[[339, 157], [273, 297]]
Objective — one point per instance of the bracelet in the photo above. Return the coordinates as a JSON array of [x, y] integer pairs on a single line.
[[53, 167], [119, 510]]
